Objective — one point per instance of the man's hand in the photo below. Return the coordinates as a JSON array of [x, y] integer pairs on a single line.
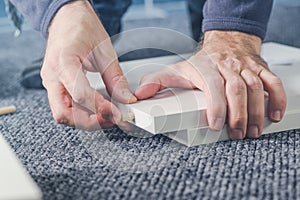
[[233, 76], [78, 43]]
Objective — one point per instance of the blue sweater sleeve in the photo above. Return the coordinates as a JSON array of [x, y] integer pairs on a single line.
[[248, 16], [39, 13]]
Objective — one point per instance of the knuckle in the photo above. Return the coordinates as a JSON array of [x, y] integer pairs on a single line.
[[254, 84], [236, 85], [117, 79], [275, 81], [44, 83], [238, 122], [233, 63], [46, 73], [255, 118], [43, 73], [232, 60]]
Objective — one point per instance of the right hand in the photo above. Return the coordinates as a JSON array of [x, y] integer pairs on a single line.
[[233, 76], [77, 43]]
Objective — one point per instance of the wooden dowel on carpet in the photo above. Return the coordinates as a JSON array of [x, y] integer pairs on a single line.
[[8, 110]]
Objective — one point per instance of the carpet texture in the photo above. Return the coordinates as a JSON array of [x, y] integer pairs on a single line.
[[72, 164]]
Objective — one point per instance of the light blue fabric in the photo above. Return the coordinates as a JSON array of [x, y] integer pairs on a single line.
[[250, 16], [39, 13]]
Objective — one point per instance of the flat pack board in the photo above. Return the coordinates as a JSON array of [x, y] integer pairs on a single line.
[[15, 182], [181, 114]]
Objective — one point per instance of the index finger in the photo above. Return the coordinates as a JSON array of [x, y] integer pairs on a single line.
[[208, 79]]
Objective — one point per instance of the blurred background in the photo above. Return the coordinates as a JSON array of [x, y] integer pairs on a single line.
[[169, 14], [26, 51], [150, 28]]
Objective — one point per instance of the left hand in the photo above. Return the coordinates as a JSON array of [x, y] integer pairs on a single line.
[[78, 43]]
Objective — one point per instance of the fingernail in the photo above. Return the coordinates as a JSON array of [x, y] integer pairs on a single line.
[[253, 130], [276, 115], [217, 123], [237, 134], [133, 99], [129, 96]]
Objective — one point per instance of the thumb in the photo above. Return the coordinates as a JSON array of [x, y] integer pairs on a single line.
[[149, 86], [166, 78]]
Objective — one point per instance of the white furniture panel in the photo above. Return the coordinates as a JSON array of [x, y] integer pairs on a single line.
[[181, 114], [15, 182]]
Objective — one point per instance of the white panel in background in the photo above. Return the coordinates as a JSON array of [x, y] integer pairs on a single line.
[[15, 182]]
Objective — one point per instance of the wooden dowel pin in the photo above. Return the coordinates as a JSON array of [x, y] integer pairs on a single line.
[[8, 110], [128, 117]]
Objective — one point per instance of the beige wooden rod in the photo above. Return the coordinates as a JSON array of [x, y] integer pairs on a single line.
[[128, 117], [8, 110]]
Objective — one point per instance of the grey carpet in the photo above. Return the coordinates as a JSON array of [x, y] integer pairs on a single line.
[[73, 164]]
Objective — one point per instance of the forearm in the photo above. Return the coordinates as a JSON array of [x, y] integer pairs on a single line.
[[39, 13], [248, 16], [250, 44]]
